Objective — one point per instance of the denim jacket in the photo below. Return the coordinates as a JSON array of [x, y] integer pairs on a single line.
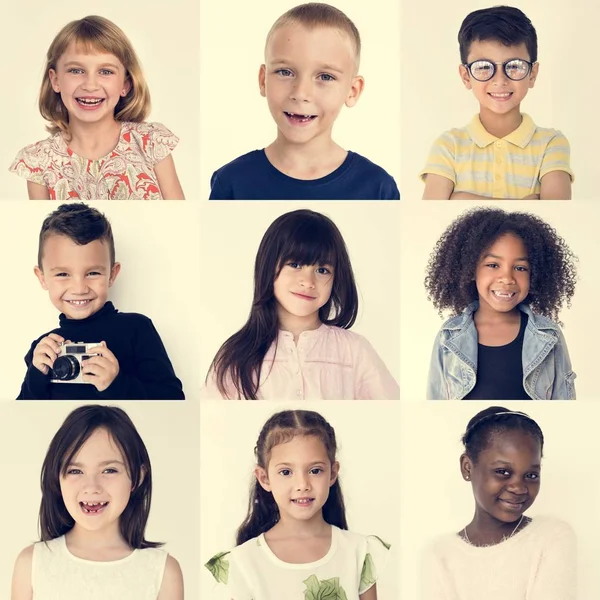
[[547, 373]]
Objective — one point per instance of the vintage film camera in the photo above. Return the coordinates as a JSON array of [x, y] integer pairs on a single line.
[[68, 364]]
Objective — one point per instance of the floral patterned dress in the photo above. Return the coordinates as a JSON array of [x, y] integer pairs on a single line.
[[126, 173], [252, 572]]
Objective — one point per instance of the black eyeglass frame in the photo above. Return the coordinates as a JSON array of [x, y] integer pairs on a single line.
[[495, 68]]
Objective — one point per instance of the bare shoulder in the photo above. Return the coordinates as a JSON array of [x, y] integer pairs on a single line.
[[172, 583], [21, 582]]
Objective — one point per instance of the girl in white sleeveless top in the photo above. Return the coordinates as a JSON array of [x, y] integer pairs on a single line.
[[96, 491]]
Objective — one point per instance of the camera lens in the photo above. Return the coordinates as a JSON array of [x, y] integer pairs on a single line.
[[65, 368]]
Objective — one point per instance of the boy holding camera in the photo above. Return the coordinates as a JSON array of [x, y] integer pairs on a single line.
[[105, 354]]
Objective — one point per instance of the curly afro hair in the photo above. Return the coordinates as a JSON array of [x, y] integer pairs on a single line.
[[451, 268]]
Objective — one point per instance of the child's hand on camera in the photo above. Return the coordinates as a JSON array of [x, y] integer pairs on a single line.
[[100, 370], [46, 351]]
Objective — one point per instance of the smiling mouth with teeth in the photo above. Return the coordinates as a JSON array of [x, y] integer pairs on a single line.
[[500, 294], [303, 501], [92, 507], [299, 118], [78, 302], [90, 101]]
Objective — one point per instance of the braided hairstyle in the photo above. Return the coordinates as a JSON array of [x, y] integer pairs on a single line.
[[283, 427], [493, 421]]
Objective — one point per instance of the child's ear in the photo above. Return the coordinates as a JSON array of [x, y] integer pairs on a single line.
[[466, 467], [262, 75], [534, 73], [356, 89], [465, 77], [40, 275], [116, 268], [53, 80], [335, 471], [126, 87], [262, 478]]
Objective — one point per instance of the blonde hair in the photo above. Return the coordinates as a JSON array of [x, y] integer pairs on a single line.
[[317, 14], [95, 34]]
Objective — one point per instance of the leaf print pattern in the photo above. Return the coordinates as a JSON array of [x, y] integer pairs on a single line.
[[328, 589], [218, 565]]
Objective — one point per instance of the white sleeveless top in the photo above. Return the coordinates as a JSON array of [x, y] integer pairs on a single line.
[[56, 574]]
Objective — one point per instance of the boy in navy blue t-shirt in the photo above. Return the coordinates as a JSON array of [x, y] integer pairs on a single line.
[[311, 70]]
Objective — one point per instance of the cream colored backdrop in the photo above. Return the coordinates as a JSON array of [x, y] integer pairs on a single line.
[[564, 97], [166, 42], [170, 433], [435, 500], [235, 118], [230, 236], [157, 246], [369, 473], [419, 321]]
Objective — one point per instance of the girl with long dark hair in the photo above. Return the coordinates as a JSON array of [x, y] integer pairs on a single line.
[[96, 491], [296, 343], [294, 542]]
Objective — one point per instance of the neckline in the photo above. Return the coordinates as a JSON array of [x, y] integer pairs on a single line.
[[504, 543], [262, 542], [62, 541], [307, 334], [516, 340], [309, 182], [106, 309], [102, 159]]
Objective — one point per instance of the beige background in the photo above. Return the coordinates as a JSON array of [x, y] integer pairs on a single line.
[[435, 500], [435, 100], [166, 42], [369, 473], [170, 433], [230, 236], [157, 246], [419, 321], [235, 118]]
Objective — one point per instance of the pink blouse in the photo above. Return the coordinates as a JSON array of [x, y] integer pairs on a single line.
[[328, 363], [126, 173]]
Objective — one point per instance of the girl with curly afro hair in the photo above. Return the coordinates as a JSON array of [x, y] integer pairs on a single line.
[[504, 277]]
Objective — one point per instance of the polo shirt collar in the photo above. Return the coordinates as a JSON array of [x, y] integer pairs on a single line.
[[520, 137]]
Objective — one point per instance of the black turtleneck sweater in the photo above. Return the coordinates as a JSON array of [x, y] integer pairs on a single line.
[[145, 371]]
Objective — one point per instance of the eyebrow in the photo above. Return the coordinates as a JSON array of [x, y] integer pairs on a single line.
[[77, 63], [92, 268], [504, 463], [325, 67], [102, 464], [285, 464], [522, 258]]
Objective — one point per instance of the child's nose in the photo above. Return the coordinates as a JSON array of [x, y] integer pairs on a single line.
[[302, 89], [302, 483], [90, 82], [79, 286], [307, 277], [500, 77]]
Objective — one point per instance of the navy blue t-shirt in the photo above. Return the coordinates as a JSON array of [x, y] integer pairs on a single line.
[[253, 177]]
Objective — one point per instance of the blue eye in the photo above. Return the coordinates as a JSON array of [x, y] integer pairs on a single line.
[[284, 72], [326, 77]]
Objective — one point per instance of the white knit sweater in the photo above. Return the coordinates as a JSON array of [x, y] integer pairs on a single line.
[[537, 563]]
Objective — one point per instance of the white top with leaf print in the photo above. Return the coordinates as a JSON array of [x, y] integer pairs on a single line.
[[252, 572]]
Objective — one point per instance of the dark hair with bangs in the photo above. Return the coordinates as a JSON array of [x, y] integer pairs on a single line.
[[305, 237], [283, 427], [54, 518]]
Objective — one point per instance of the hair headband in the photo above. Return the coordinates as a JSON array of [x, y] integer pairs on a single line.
[[504, 412]]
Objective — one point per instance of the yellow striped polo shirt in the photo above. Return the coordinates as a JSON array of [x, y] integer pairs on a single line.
[[510, 167]]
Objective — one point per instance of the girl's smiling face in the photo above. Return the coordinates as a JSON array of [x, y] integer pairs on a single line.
[[299, 476], [502, 274], [96, 486], [506, 476], [90, 83]]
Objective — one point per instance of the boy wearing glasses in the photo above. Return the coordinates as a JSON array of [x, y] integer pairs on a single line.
[[501, 153]]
